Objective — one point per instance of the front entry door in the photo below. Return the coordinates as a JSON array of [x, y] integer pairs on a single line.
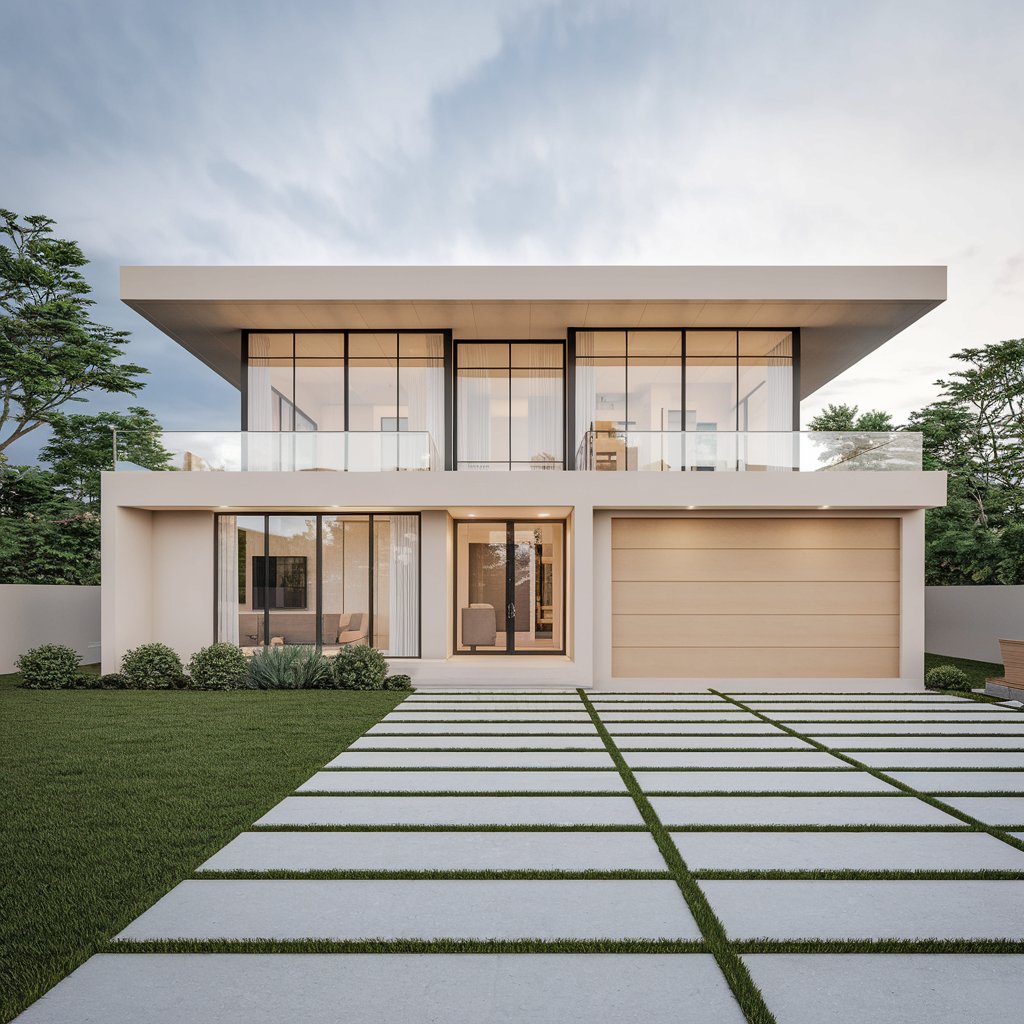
[[510, 587]]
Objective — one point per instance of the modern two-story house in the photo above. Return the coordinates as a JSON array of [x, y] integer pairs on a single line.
[[533, 476]]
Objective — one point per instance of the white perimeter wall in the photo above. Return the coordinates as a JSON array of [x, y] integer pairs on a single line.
[[34, 614], [968, 622]]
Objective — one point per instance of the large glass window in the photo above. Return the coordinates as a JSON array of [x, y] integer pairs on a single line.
[[315, 579], [638, 392], [510, 405], [395, 382]]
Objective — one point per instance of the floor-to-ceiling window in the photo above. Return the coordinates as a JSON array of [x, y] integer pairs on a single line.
[[328, 580], [637, 393], [359, 381], [510, 405]]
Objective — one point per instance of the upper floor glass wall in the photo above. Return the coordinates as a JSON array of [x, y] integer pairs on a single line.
[[510, 405], [358, 381], [683, 380]]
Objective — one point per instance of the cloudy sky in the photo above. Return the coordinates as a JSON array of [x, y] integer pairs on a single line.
[[528, 131]]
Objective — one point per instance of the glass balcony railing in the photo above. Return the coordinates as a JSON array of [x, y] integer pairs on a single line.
[[748, 451], [283, 451]]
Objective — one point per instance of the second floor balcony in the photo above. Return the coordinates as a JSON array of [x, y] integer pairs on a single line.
[[600, 451]]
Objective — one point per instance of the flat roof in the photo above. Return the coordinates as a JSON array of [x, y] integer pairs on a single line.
[[843, 313]]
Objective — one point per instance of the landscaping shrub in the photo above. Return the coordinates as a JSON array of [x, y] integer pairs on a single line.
[[398, 682], [49, 667], [947, 677], [288, 668], [359, 667], [112, 681], [152, 667], [90, 682], [217, 667]]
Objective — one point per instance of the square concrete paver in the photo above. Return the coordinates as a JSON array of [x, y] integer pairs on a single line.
[[797, 810], [454, 810], [487, 716], [243, 988], [744, 728], [942, 759], [482, 728], [961, 782], [382, 741], [727, 743], [831, 707], [822, 730], [915, 988], [421, 909], [486, 707], [681, 718], [609, 697], [440, 851], [472, 759], [866, 698], [869, 910], [464, 781], [806, 758], [992, 810], [761, 781], [842, 851], [666, 707]]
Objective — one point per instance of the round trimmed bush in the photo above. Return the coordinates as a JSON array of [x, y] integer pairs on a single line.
[[360, 668], [947, 677], [49, 667], [217, 667], [152, 667], [398, 682], [112, 681]]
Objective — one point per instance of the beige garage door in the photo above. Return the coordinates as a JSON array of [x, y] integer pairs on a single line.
[[755, 597]]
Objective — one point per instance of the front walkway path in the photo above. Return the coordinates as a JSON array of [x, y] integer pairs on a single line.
[[546, 858]]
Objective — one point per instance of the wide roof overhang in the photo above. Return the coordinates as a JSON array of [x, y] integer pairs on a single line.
[[843, 313]]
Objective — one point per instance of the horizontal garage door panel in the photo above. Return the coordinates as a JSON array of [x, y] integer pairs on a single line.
[[656, 564], [756, 533], [755, 598], [755, 630], [752, 662]]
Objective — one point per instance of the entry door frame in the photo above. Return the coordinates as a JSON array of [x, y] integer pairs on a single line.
[[510, 585]]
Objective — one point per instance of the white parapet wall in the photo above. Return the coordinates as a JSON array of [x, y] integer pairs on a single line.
[[34, 614], [967, 622]]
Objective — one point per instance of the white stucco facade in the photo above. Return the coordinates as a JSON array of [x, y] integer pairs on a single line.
[[159, 545]]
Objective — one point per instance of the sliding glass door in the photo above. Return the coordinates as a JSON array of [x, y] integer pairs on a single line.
[[325, 580], [510, 587]]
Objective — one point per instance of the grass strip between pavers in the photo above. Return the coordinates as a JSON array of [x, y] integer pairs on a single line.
[[437, 875], [1000, 833], [899, 946], [747, 994], [407, 946]]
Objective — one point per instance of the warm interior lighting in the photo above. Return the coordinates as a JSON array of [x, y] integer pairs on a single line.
[[543, 515], [824, 506]]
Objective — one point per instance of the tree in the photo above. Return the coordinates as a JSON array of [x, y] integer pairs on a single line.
[[844, 418], [51, 352], [974, 433], [81, 447], [45, 537]]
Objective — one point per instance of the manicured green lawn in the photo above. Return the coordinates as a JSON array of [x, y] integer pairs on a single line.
[[977, 671], [112, 797]]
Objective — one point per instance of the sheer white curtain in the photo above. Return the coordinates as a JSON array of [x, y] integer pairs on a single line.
[[425, 394], [256, 451], [544, 404], [227, 580], [404, 587], [586, 390], [785, 446]]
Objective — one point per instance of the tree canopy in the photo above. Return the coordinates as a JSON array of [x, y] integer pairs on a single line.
[[843, 418], [51, 351]]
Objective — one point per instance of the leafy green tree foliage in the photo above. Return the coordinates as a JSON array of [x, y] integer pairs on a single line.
[[81, 447], [976, 433], [51, 351], [845, 418], [45, 536]]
